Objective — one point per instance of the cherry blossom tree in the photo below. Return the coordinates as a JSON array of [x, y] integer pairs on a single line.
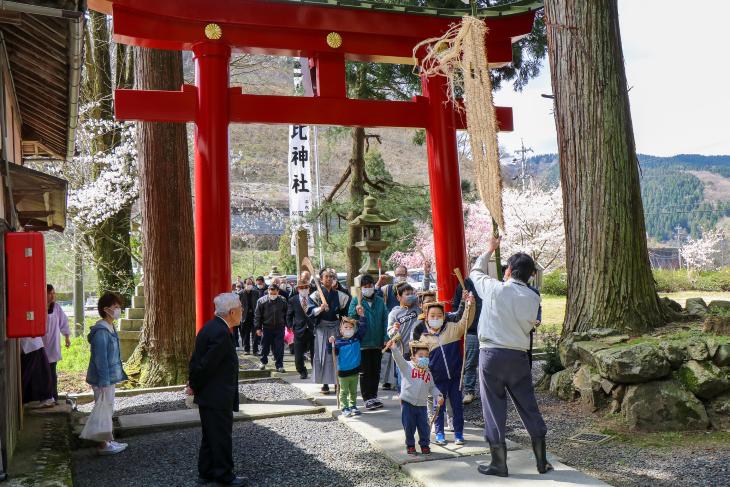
[[702, 254]]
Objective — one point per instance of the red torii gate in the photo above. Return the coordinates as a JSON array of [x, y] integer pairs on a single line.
[[328, 36]]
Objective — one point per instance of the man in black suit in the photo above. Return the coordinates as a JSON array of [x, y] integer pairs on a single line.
[[213, 380], [301, 324]]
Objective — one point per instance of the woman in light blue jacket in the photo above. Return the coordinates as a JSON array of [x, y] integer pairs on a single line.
[[105, 370]]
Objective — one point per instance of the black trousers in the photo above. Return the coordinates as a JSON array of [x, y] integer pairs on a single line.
[[303, 342], [54, 381], [273, 341], [245, 329], [215, 461], [370, 372], [236, 334]]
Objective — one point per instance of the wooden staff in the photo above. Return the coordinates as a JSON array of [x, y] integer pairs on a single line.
[[460, 277], [307, 262], [396, 338], [337, 381], [436, 414]]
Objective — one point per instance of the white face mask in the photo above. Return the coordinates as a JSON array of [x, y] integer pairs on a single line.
[[304, 293], [368, 292], [249, 287], [401, 278], [273, 297], [116, 313], [348, 332], [436, 324]]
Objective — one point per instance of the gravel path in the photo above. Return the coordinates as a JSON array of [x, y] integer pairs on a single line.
[[615, 462], [312, 451], [262, 390]]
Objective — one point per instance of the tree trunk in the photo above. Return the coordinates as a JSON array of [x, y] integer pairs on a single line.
[[110, 239], [168, 334], [610, 284]]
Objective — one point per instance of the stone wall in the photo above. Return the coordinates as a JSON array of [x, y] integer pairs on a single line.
[[673, 381]]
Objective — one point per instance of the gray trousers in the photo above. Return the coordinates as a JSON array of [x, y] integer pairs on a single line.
[[503, 371]]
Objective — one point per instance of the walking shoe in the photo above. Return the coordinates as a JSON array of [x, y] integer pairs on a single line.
[[325, 389], [468, 398], [120, 445], [387, 386], [355, 411], [377, 403], [498, 467], [440, 439], [303, 375], [426, 450], [262, 367], [369, 404], [111, 448], [281, 370], [459, 439], [411, 450], [346, 412]]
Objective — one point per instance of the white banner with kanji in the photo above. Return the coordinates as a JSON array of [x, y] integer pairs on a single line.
[[300, 182]]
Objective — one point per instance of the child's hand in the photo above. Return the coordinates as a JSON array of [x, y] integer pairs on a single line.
[[360, 310], [441, 401], [332, 340], [396, 326]]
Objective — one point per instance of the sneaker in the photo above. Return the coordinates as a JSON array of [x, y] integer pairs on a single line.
[[112, 448], [411, 450], [262, 367], [426, 450], [459, 439], [355, 411], [440, 439], [325, 389], [346, 412], [377, 403], [369, 404], [468, 398], [281, 370], [387, 386], [303, 375]]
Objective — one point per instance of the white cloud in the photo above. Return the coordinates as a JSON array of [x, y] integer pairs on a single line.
[[680, 95]]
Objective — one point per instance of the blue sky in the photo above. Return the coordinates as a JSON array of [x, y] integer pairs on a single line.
[[676, 56]]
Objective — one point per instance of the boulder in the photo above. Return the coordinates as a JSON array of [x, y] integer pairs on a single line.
[[619, 392], [675, 352], [719, 305], [607, 385], [696, 306], [663, 406], [705, 379], [632, 364], [595, 333], [697, 349], [587, 382], [718, 410], [614, 340], [713, 343], [561, 384], [719, 325], [722, 356], [566, 351], [672, 304], [586, 351]]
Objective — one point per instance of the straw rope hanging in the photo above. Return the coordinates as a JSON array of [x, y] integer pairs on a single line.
[[461, 56]]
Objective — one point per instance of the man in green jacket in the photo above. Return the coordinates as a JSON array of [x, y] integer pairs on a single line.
[[373, 341]]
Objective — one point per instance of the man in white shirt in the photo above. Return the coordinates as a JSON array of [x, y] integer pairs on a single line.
[[509, 312]]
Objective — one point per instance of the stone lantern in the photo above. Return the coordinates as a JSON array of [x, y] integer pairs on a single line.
[[371, 222]]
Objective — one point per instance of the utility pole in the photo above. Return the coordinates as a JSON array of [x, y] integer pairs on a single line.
[[523, 161], [678, 229]]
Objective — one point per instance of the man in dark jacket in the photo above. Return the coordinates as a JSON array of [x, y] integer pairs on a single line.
[[213, 379], [249, 296], [270, 321], [472, 341], [301, 324]]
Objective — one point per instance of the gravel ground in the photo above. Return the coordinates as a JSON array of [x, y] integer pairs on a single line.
[[313, 451], [615, 462], [262, 390]]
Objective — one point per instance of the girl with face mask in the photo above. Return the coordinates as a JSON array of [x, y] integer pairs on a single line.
[[105, 370], [446, 362]]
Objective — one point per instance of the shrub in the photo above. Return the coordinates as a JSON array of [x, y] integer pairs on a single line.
[[550, 341], [669, 281], [555, 283]]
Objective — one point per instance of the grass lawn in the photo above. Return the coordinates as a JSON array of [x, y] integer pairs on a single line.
[[553, 307]]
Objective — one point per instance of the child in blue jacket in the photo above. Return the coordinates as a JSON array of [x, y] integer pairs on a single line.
[[445, 362], [347, 348]]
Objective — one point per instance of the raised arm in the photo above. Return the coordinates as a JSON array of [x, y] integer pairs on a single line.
[[483, 283]]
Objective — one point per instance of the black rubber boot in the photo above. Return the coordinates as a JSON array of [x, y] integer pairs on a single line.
[[498, 466], [538, 447]]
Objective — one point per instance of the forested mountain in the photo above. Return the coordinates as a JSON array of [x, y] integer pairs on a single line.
[[689, 191]]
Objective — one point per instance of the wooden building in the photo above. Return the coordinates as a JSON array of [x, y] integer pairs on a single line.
[[41, 49]]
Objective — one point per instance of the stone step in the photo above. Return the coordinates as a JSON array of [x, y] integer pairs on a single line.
[[134, 313], [253, 374], [139, 290], [128, 341], [126, 324], [137, 301]]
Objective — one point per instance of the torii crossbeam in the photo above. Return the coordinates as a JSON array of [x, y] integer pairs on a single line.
[[328, 33]]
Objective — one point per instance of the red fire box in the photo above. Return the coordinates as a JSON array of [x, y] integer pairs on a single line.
[[25, 261]]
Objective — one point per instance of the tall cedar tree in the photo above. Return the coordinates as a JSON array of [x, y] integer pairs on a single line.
[[167, 338], [610, 284]]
